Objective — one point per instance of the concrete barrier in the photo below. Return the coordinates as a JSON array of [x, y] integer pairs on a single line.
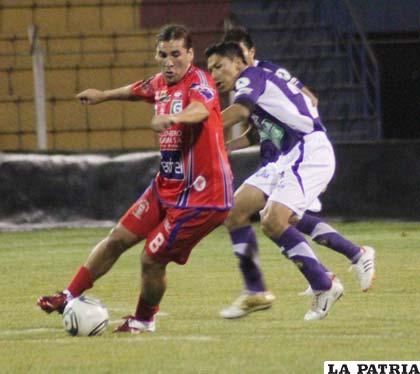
[[372, 180]]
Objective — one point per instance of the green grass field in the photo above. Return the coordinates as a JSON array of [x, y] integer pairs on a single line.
[[383, 324]]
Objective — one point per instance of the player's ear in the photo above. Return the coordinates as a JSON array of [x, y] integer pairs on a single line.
[[238, 62], [157, 58], [252, 52], [190, 53], [157, 52]]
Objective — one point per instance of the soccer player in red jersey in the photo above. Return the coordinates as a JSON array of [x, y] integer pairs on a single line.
[[192, 192]]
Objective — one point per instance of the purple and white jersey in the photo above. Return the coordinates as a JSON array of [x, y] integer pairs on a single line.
[[277, 105], [279, 70]]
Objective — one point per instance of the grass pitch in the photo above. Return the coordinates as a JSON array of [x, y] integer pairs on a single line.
[[383, 324]]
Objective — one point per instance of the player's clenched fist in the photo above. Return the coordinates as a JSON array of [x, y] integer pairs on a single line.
[[91, 96], [161, 122]]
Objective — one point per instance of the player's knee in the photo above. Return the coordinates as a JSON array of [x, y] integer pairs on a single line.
[[294, 219], [150, 267], [273, 226], [236, 219]]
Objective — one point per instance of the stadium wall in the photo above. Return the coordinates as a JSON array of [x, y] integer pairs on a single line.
[[372, 180]]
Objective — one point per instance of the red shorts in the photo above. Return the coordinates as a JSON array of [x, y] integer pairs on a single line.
[[170, 233]]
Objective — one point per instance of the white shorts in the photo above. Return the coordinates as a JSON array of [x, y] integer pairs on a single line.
[[299, 177]]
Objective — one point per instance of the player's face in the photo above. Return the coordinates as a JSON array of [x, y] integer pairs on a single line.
[[224, 71], [173, 59], [249, 53]]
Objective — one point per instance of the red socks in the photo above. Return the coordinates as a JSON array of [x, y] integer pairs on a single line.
[[81, 282], [145, 312]]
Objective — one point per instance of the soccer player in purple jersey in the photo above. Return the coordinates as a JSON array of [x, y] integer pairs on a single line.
[[256, 296], [303, 169]]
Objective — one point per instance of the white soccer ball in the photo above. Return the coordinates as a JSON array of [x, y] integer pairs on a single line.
[[85, 316]]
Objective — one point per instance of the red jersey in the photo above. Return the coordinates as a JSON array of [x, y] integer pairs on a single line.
[[194, 168]]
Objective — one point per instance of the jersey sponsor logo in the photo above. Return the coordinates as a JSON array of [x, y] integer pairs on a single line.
[[177, 94], [269, 131], [170, 140], [171, 165], [176, 106], [242, 82], [162, 96], [200, 183], [283, 74], [205, 91], [142, 207]]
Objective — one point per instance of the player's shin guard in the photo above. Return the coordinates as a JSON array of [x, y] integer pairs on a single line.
[[324, 234], [297, 249], [246, 250]]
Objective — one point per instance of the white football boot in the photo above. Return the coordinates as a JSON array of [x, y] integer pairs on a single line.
[[308, 292], [365, 268], [247, 303], [135, 326], [324, 300]]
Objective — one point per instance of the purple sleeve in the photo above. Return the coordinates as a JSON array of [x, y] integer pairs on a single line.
[[249, 87], [281, 72]]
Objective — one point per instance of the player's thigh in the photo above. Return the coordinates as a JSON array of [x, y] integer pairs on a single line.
[[123, 237], [180, 231], [265, 178], [144, 215], [305, 175]]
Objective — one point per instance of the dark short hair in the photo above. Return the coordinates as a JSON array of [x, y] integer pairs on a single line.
[[239, 34], [174, 32], [226, 49]]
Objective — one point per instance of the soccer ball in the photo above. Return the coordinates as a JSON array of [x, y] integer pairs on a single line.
[[85, 316]]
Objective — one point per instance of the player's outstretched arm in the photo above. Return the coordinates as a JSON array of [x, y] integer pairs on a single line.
[[238, 143], [194, 113], [235, 113], [93, 96], [247, 138]]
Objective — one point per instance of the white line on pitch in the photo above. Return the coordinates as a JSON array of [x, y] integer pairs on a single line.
[[29, 331], [142, 338], [124, 310]]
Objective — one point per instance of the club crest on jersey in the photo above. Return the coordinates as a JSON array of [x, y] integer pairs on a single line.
[[176, 106], [200, 183], [204, 91], [242, 82], [143, 206]]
